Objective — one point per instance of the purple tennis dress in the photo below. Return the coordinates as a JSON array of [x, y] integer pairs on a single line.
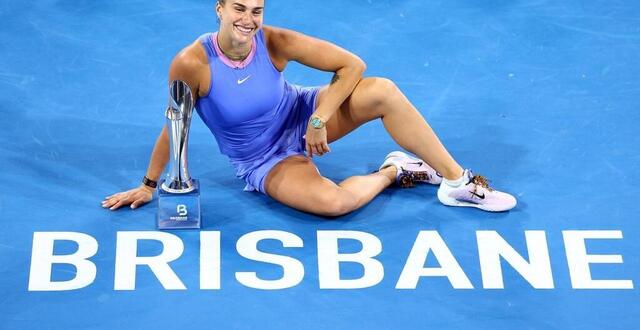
[[257, 118]]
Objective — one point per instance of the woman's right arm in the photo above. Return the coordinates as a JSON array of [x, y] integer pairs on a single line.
[[190, 66], [143, 193]]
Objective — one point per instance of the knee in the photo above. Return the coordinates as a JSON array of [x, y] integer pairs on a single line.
[[336, 204], [380, 90]]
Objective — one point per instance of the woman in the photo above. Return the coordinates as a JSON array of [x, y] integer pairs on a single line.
[[265, 125]]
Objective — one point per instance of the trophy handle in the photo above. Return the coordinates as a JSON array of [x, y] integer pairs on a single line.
[[181, 98]]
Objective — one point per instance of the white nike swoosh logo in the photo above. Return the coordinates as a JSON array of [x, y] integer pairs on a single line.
[[240, 81]]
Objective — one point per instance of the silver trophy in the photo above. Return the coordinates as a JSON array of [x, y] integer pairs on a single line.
[[179, 195], [178, 116]]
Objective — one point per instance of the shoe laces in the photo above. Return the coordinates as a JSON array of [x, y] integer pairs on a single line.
[[479, 180]]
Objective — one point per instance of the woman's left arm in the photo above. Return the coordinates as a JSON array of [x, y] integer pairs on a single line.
[[286, 45]]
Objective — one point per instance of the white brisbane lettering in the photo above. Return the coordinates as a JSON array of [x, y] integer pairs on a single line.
[[127, 259], [449, 267], [329, 259], [210, 260], [247, 247], [491, 246], [42, 259], [493, 249], [578, 259]]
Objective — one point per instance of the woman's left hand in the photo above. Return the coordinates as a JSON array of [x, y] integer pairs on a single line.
[[316, 141]]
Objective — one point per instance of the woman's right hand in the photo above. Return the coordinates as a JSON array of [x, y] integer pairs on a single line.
[[134, 197]]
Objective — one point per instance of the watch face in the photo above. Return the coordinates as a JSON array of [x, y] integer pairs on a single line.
[[316, 123]]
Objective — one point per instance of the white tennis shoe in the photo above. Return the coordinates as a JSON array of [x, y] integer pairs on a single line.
[[474, 191], [410, 170]]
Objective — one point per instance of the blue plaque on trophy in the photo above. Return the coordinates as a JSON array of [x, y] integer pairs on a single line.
[[179, 195], [179, 211]]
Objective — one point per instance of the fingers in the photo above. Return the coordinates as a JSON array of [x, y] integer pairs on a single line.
[[137, 203], [317, 149], [113, 202], [143, 199], [309, 153], [135, 197], [316, 142], [110, 201], [325, 148], [117, 205]]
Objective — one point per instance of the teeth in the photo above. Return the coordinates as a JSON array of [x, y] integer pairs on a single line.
[[243, 29]]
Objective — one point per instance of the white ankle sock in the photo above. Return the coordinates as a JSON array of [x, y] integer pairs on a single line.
[[454, 183]]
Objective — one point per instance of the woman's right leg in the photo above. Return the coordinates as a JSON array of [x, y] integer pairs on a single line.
[[381, 98], [295, 182]]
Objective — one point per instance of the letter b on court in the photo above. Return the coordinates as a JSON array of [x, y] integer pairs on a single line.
[[42, 260]]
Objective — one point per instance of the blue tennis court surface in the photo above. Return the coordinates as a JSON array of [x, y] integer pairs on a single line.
[[539, 96]]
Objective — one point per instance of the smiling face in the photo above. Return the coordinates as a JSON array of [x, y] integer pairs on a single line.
[[239, 19]]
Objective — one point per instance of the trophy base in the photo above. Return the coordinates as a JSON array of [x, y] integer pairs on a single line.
[[179, 211]]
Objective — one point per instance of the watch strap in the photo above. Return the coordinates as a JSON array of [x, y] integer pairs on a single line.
[[149, 183]]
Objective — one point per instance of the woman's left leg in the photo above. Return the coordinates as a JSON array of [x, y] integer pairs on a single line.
[[375, 98], [295, 182]]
